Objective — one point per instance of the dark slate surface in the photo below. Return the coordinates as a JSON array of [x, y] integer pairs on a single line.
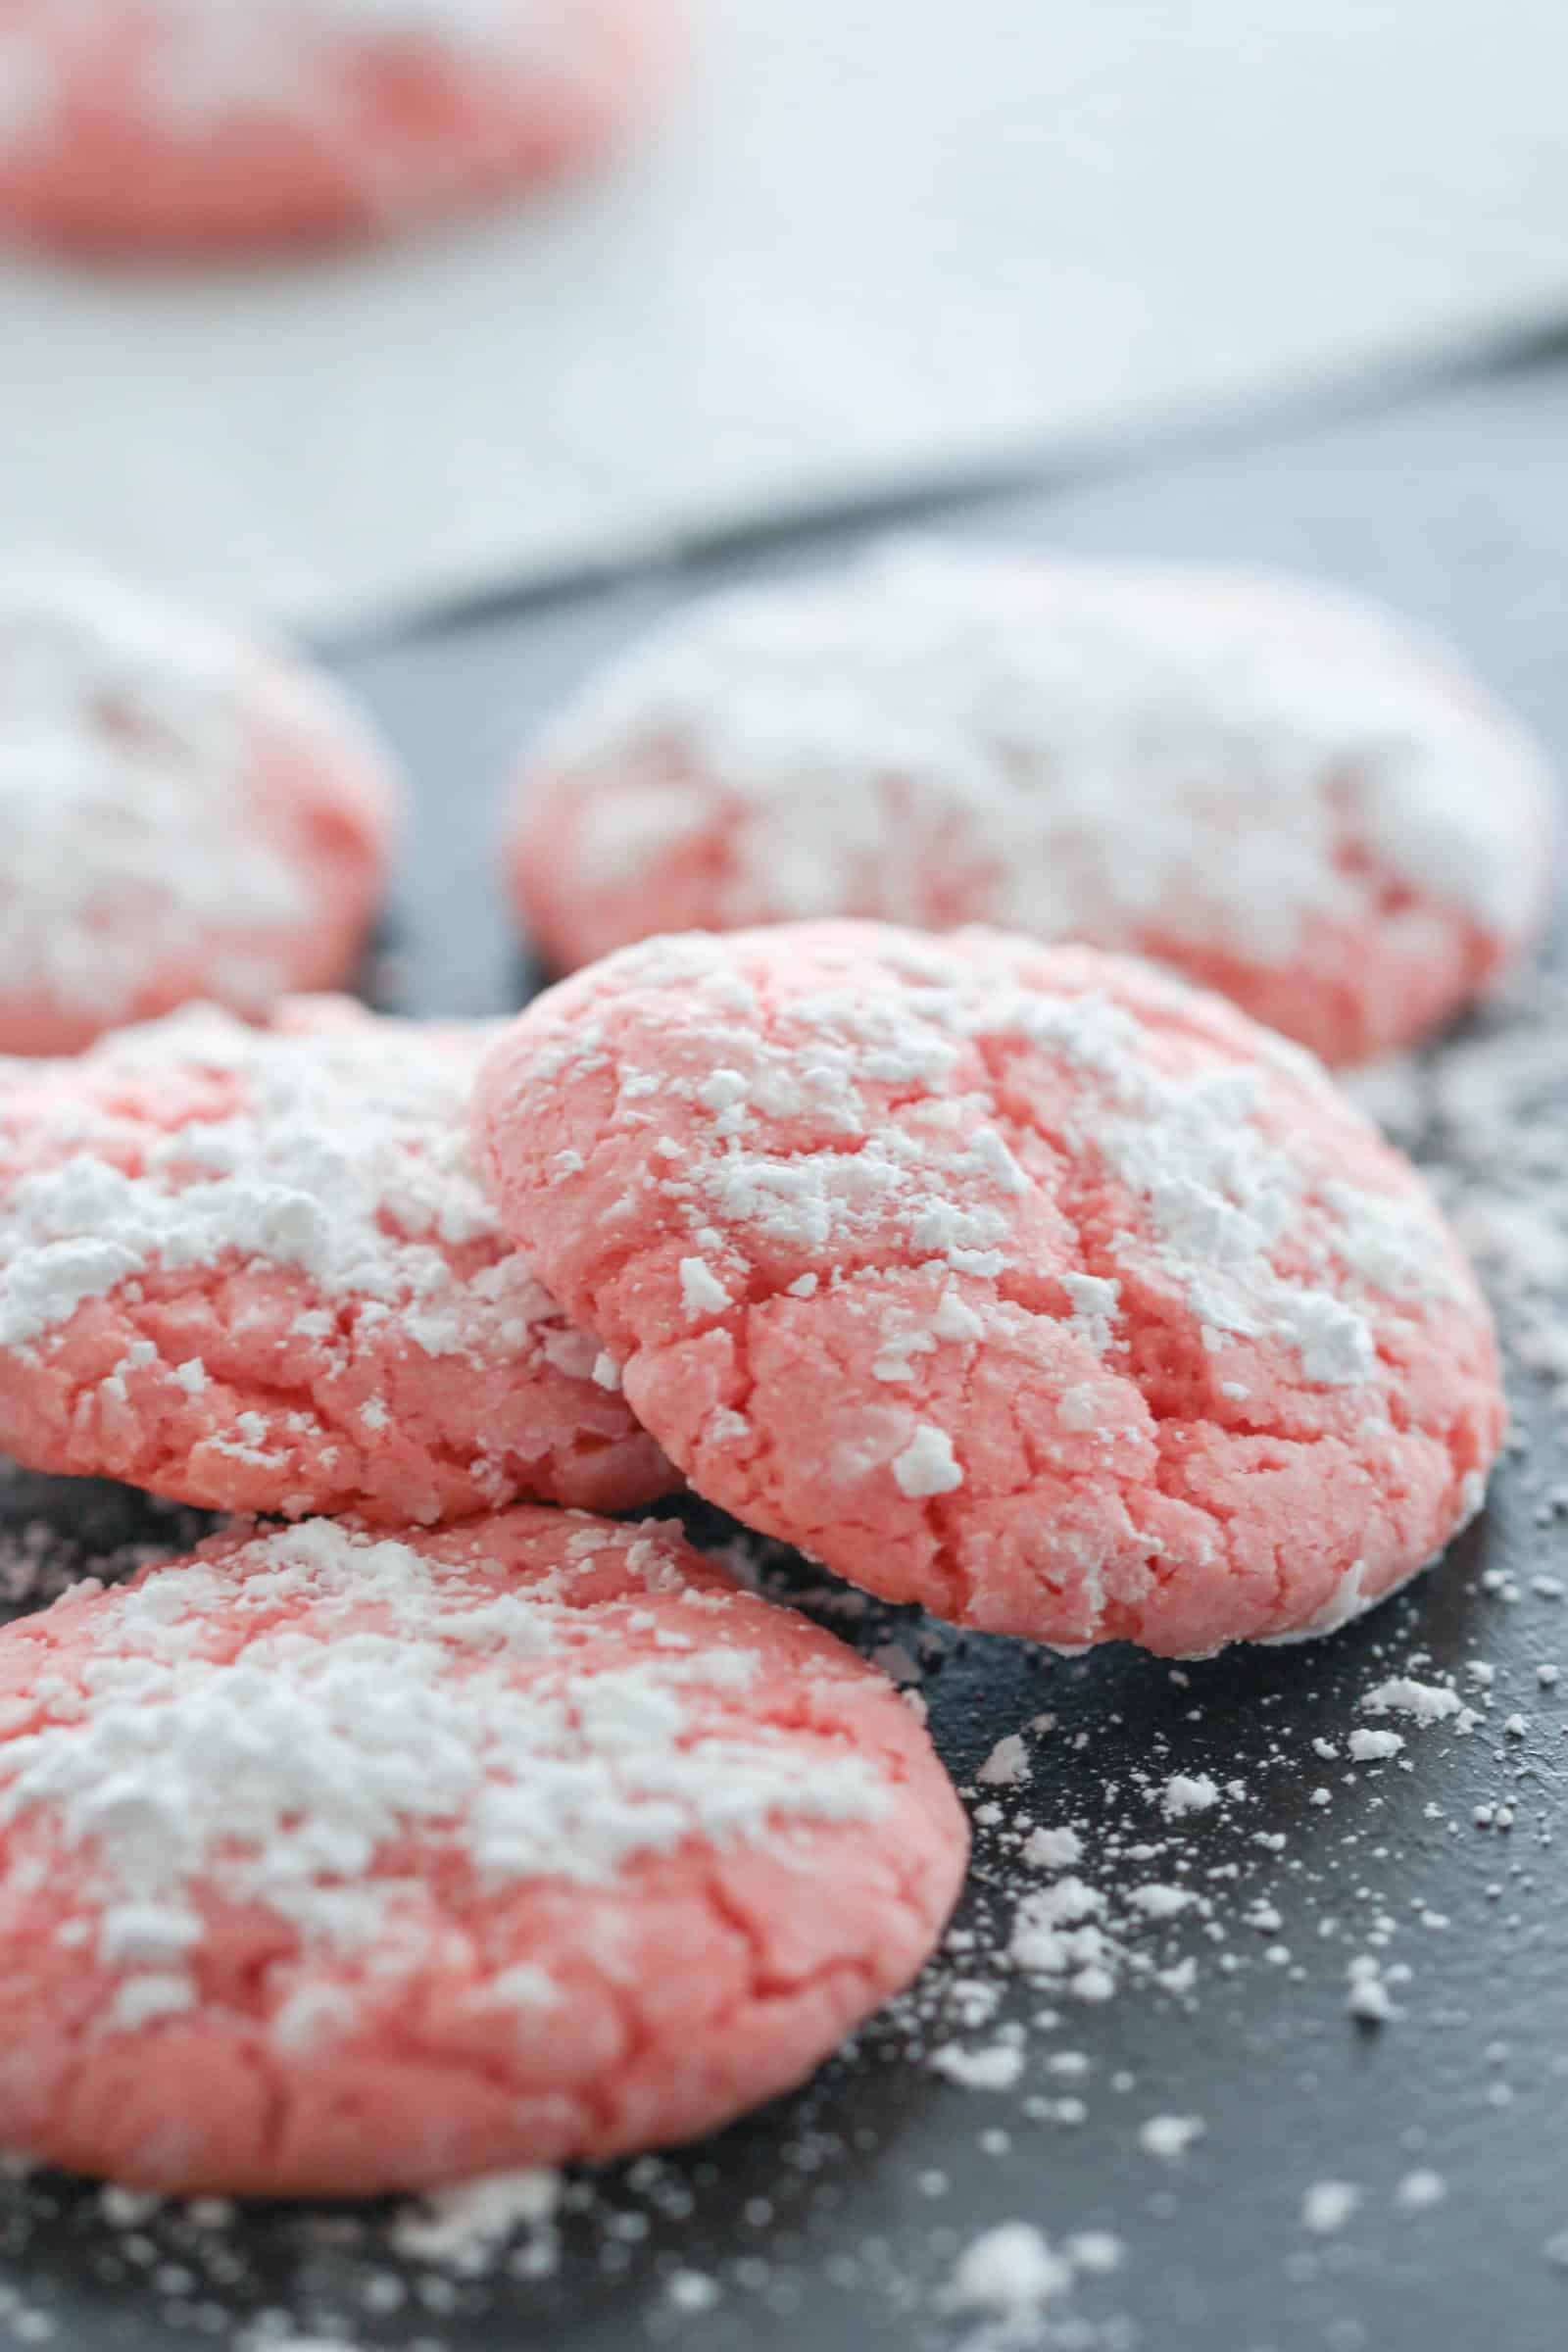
[[833, 2218]]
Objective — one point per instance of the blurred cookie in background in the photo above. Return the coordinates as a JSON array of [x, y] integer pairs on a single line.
[[1279, 790], [198, 125], [185, 814]]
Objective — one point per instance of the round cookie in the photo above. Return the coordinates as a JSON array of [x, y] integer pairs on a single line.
[[331, 1865], [1023, 1281], [184, 814], [194, 124], [253, 1269], [1281, 792]]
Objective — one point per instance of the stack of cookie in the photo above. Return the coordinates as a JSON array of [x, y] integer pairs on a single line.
[[423, 1822]]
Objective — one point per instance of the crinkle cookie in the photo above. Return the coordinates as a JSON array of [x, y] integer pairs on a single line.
[[331, 1865], [1021, 1281], [196, 125], [1278, 790], [183, 814], [253, 1269]]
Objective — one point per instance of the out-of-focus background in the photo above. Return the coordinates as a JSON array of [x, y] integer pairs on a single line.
[[865, 246]]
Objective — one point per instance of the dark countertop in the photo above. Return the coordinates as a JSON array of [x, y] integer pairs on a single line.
[[834, 2218]]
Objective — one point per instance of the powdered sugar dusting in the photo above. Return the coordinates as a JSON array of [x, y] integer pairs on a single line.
[[984, 1152], [1201, 760], [300, 1202], [125, 792], [333, 1145], [262, 1725]]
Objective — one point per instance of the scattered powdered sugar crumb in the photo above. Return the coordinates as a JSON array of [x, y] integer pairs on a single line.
[[304, 2343], [996, 2068], [927, 1464], [1402, 1694], [1008, 1764], [1373, 1748], [1369, 2000], [1053, 1849], [1327, 2205], [1169, 2136], [693, 2290], [459, 2228], [1009, 2272], [1420, 2190], [1189, 1792], [1098, 2251]]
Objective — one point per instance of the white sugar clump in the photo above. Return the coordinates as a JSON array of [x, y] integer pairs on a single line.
[[1327, 2205], [1114, 752], [1373, 1748], [379, 1699], [459, 2228], [1009, 2270], [337, 1151], [127, 801], [1189, 1792], [701, 1292], [1169, 2136], [1008, 1764], [1402, 1694], [928, 1464], [1053, 1849]]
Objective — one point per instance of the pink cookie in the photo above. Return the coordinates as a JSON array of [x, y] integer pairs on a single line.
[[1282, 792], [252, 1268], [1021, 1281], [183, 814], [214, 123], [331, 1865]]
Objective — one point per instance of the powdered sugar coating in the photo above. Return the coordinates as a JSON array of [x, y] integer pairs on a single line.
[[253, 1269], [227, 121], [1284, 792], [1045, 1290], [183, 814], [335, 1864]]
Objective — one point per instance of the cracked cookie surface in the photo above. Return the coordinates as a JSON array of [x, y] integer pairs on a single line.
[[253, 1269], [1021, 1281], [337, 1863]]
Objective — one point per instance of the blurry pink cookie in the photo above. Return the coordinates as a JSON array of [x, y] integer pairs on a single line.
[[197, 123], [1285, 794], [252, 1268], [183, 815], [331, 1866], [1021, 1281]]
